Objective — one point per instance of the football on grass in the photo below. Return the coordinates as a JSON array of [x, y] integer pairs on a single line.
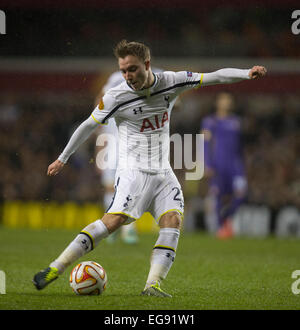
[[88, 278]]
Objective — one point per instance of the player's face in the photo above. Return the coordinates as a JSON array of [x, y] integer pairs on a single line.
[[225, 102], [134, 71]]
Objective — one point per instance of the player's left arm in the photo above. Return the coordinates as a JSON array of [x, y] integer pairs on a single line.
[[231, 75]]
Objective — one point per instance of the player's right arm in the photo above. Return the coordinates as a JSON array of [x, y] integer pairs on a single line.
[[82, 133], [79, 136]]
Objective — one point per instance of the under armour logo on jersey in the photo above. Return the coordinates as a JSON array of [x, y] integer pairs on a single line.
[[138, 110], [167, 100]]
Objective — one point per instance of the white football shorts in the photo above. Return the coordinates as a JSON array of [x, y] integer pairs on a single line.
[[137, 192]]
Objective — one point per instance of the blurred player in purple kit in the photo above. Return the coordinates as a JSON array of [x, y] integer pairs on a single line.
[[224, 165]]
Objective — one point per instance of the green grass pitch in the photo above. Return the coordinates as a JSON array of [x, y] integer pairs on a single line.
[[243, 273]]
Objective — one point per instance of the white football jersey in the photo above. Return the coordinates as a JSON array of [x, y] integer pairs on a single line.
[[143, 118], [111, 129]]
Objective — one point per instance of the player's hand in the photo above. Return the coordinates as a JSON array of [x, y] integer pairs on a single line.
[[55, 168], [257, 72]]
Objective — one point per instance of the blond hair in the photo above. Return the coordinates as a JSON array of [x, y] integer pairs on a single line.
[[125, 48]]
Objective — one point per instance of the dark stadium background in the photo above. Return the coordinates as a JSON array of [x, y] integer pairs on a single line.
[[55, 57]]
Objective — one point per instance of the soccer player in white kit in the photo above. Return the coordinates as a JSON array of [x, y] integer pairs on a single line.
[[110, 132], [141, 107]]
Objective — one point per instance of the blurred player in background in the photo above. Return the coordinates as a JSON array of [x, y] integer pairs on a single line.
[[145, 181], [128, 232], [224, 164]]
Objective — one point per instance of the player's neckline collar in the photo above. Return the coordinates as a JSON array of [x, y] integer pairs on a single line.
[[154, 82]]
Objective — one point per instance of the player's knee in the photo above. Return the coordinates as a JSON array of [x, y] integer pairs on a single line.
[[113, 221], [170, 220]]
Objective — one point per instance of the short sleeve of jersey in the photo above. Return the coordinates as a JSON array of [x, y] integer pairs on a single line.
[[104, 110]]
